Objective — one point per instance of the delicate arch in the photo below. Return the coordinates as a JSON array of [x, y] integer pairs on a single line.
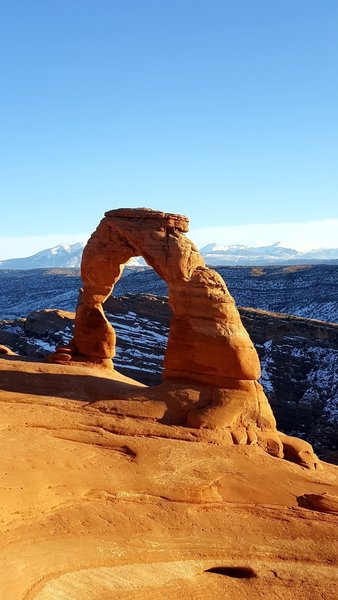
[[207, 342], [209, 352]]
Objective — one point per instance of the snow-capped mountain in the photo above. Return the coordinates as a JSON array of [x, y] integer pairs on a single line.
[[215, 254], [69, 256], [62, 256]]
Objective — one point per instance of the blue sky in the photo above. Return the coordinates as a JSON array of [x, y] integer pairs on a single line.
[[224, 111]]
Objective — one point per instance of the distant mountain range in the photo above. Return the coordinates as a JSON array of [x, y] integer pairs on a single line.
[[214, 254], [63, 256], [69, 256]]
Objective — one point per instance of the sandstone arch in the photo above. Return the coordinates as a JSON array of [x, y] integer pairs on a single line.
[[208, 348], [207, 341]]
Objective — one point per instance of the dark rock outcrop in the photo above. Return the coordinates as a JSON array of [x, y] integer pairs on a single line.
[[48, 320]]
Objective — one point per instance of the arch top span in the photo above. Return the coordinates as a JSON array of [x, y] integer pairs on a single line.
[[150, 217]]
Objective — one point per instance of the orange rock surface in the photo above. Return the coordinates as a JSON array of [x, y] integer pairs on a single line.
[[100, 500]]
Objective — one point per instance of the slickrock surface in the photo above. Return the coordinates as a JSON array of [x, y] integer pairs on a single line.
[[99, 500], [111, 489]]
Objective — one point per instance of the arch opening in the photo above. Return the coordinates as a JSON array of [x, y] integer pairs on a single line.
[[141, 323]]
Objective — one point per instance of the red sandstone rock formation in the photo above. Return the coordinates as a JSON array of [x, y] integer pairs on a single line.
[[208, 347], [207, 342]]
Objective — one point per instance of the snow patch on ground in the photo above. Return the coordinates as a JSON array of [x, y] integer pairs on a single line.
[[266, 364]]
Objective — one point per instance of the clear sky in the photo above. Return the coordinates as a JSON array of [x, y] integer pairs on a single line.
[[223, 110]]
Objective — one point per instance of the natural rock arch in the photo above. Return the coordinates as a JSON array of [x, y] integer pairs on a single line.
[[207, 341], [211, 367]]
